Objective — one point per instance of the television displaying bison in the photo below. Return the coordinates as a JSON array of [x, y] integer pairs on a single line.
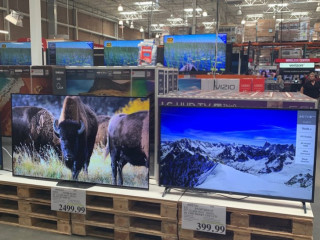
[[95, 139]]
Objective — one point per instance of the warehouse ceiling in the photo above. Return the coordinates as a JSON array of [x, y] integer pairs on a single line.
[[158, 13]]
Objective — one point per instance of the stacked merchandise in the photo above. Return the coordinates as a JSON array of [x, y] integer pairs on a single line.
[[238, 99], [290, 53], [266, 30], [265, 56], [316, 33], [250, 31], [234, 33], [290, 31]]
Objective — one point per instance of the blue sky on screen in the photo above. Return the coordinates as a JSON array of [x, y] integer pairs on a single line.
[[197, 38], [124, 43], [250, 126], [84, 45], [16, 45]]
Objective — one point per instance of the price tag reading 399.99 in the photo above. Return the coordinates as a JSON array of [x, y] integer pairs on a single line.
[[68, 200], [204, 218]]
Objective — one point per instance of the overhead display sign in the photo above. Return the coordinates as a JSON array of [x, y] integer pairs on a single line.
[[297, 60], [296, 65]]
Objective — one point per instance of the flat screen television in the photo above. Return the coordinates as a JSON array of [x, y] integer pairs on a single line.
[[195, 53], [102, 140], [15, 53], [70, 53], [257, 152], [121, 53]]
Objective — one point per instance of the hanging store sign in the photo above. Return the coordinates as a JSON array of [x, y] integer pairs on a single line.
[[296, 65], [298, 60]]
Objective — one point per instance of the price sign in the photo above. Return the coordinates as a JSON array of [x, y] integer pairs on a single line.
[[68, 200], [204, 218]]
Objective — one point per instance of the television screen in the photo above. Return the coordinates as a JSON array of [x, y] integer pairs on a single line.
[[103, 140], [121, 53], [15, 53], [70, 53], [264, 152], [195, 53], [99, 82]]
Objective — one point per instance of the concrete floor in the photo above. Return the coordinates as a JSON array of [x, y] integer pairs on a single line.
[[12, 232]]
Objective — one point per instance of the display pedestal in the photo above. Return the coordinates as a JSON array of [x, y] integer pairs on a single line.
[[128, 214]]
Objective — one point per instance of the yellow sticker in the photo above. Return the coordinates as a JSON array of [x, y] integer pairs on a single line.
[[3, 45], [109, 44], [170, 40]]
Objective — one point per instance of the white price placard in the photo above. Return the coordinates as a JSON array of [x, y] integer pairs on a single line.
[[68, 200], [205, 218]]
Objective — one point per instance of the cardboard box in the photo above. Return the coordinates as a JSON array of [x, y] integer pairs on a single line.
[[317, 27], [265, 39], [245, 85], [258, 84]]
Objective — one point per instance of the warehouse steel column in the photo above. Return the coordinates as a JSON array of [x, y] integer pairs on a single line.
[[35, 32], [52, 18], [6, 23]]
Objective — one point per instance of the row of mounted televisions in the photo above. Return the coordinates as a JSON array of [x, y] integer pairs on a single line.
[[106, 140], [188, 53]]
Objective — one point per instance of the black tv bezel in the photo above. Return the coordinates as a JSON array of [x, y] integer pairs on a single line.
[[199, 72], [48, 54], [242, 193], [70, 180], [104, 49]]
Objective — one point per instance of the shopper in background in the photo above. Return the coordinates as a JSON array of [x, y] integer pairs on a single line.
[[280, 83], [264, 74], [311, 87]]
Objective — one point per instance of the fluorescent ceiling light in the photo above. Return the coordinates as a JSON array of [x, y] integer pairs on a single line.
[[141, 29], [4, 32], [120, 8], [278, 5], [243, 21], [191, 9], [299, 13], [120, 22], [255, 15], [205, 14], [143, 3], [131, 25], [129, 13], [318, 8]]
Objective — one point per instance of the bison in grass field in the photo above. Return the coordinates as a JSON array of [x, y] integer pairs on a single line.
[[128, 142], [102, 134], [77, 128], [32, 126]]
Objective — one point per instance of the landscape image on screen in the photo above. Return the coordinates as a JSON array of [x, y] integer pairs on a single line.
[[121, 53], [263, 152], [15, 53], [189, 84], [103, 140], [142, 87], [192, 53], [103, 86], [8, 85], [72, 53]]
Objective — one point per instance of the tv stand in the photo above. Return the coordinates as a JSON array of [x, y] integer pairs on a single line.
[[166, 190], [304, 207]]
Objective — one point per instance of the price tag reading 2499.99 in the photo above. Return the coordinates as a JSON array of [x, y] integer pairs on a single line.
[[205, 218], [68, 200]]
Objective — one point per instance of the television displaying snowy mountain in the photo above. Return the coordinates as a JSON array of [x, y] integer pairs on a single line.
[[211, 149]]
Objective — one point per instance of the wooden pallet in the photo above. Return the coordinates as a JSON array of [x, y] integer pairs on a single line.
[[29, 206], [130, 218], [251, 225]]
